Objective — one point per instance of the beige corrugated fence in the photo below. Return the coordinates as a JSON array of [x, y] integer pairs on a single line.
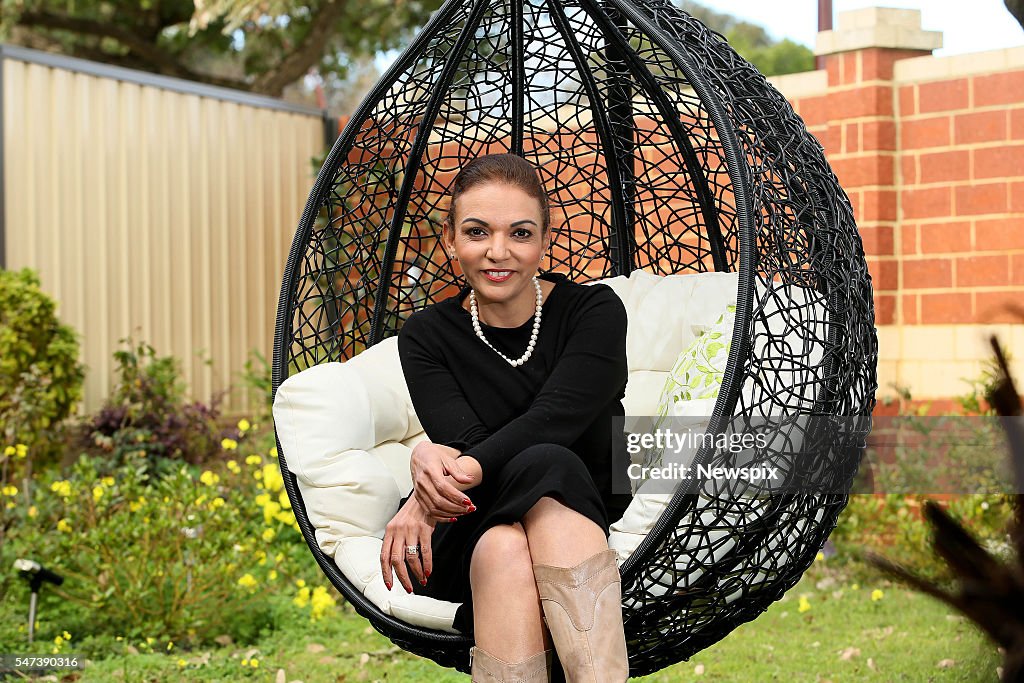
[[153, 207]]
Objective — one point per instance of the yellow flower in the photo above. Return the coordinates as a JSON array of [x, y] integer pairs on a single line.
[[32, 511], [216, 503], [200, 500], [63, 525], [282, 498], [301, 599], [254, 663], [253, 459], [804, 605], [233, 466], [149, 640], [269, 510], [209, 478], [228, 444], [268, 535], [67, 636], [10, 450], [257, 475], [247, 581], [9, 490], [819, 557], [182, 663], [855, 587], [272, 480], [137, 504], [10, 505], [21, 450], [273, 452], [245, 662], [107, 481], [300, 583], [876, 595], [58, 640], [97, 493], [263, 499], [278, 557], [286, 517], [61, 488], [272, 575], [243, 425], [170, 645], [320, 602]]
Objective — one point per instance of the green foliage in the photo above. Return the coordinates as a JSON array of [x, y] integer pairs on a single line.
[[40, 376], [146, 421], [753, 43], [259, 378], [185, 557], [891, 524], [263, 46]]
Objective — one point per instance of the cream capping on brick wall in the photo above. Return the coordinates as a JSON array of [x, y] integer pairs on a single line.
[[899, 29]]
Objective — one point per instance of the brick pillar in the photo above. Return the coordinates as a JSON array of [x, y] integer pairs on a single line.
[[860, 136]]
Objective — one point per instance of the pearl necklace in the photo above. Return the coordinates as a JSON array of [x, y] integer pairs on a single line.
[[533, 335]]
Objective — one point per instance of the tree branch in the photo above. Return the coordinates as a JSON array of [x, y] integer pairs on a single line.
[[306, 54], [156, 59], [1016, 8]]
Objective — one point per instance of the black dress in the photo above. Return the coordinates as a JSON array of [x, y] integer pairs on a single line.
[[543, 428]]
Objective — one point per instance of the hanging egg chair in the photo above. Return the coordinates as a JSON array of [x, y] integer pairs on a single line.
[[665, 153]]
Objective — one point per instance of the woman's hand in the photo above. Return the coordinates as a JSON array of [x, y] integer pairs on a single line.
[[431, 464], [411, 526]]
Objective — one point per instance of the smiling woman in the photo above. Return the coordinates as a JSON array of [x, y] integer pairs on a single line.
[[516, 381]]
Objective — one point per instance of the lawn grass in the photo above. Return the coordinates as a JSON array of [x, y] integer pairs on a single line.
[[841, 634]]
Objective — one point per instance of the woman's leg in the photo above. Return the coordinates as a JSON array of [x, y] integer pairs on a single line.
[[578, 582], [506, 606], [560, 536]]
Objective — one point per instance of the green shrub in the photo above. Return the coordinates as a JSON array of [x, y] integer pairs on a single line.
[[186, 557], [147, 421], [40, 376]]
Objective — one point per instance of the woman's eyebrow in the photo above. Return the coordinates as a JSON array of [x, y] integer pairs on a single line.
[[487, 225]]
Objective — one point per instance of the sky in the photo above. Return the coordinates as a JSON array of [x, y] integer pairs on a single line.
[[973, 26]]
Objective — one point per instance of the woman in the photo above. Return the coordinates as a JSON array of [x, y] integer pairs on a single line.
[[516, 381]]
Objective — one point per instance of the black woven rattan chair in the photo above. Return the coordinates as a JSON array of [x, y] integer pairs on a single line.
[[663, 150]]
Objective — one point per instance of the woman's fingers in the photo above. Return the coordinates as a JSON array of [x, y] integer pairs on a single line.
[[435, 504], [426, 553], [385, 557], [398, 554]]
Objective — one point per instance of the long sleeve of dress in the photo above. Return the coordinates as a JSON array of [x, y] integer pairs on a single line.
[[590, 372], [443, 410]]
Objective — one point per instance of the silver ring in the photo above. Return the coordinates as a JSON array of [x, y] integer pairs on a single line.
[[412, 550]]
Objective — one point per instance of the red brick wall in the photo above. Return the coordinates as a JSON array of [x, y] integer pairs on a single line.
[[935, 172]]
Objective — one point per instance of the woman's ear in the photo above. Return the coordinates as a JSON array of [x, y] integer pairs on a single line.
[[448, 239]]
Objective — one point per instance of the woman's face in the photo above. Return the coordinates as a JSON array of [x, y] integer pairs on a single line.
[[497, 240]]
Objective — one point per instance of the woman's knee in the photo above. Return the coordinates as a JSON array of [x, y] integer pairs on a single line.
[[502, 548], [552, 457]]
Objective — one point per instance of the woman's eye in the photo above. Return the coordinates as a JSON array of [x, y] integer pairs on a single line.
[[474, 232], [524, 233]]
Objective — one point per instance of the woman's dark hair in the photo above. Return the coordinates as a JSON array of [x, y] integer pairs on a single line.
[[501, 168]]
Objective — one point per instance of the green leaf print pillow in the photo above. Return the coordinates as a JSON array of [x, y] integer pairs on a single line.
[[696, 377], [698, 371]]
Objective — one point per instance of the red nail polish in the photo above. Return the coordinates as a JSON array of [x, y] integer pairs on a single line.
[[423, 582], [466, 501], [472, 508], [426, 574], [388, 585], [453, 519]]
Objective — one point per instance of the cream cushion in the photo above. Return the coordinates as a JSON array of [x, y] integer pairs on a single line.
[[347, 430]]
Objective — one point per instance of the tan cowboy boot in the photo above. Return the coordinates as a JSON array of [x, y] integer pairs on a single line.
[[487, 668], [583, 610]]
